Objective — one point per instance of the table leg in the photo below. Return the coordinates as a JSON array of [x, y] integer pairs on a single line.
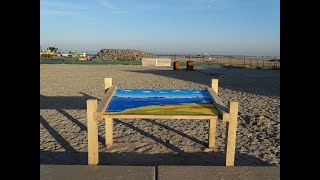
[[92, 124], [109, 132], [231, 134], [212, 132]]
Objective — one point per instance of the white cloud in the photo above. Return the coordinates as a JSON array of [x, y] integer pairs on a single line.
[[52, 3], [107, 3], [119, 12], [113, 8], [58, 7]]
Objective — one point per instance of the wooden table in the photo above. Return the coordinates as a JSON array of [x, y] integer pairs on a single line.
[[161, 104]]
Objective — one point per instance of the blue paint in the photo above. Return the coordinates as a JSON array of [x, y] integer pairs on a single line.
[[133, 98]]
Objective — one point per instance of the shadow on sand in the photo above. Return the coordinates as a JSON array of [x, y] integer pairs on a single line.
[[262, 85], [178, 157]]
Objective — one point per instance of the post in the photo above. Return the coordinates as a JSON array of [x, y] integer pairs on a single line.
[[108, 121], [109, 132], [231, 134], [262, 63], [257, 63], [92, 124], [107, 84], [250, 63], [230, 60], [244, 60], [214, 85], [212, 132]]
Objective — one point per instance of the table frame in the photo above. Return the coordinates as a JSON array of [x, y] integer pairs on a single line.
[[96, 112]]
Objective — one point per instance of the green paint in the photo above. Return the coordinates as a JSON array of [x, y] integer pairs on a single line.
[[47, 61]]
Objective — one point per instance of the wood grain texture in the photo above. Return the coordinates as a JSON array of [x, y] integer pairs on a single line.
[[109, 132], [92, 124], [106, 99], [212, 132], [214, 85], [107, 84], [231, 133], [223, 110]]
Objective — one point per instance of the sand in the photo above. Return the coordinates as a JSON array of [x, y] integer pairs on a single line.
[[63, 136]]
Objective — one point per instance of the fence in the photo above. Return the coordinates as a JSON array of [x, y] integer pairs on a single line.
[[250, 62]]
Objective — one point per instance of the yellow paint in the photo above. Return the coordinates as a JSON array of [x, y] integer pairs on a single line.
[[175, 109]]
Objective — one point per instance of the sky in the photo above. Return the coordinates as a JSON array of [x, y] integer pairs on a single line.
[[217, 27]]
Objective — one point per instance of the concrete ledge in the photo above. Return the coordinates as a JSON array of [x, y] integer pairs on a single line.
[[84, 172], [218, 172]]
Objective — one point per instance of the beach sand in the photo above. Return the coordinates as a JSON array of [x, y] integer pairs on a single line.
[[64, 90]]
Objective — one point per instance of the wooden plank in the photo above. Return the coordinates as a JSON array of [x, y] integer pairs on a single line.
[[212, 132], [231, 134], [214, 85], [223, 110], [109, 132], [92, 124], [106, 99], [146, 116], [107, 84]]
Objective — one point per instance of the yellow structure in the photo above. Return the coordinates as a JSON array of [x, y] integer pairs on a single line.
[[50, 53]]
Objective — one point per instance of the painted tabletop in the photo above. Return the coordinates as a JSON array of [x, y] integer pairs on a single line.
[[167, 102]]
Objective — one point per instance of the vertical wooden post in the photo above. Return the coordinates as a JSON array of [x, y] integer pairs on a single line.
[[212, 132], [107, 84], [108, 121], [231, 133], [214, 85], [109, 132], [92, 124]]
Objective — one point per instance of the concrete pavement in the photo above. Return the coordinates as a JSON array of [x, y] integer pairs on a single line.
[[102, 172]]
